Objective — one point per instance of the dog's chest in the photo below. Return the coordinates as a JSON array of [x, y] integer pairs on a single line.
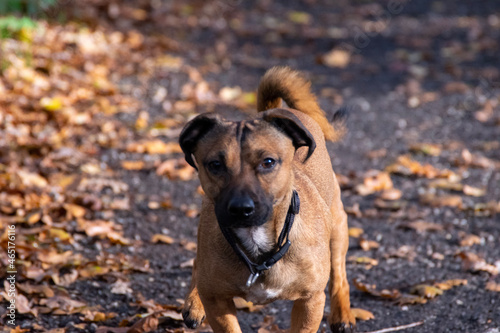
[[259, 294], [255, 240]]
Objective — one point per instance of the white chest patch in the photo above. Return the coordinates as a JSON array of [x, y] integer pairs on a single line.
[[259, 295], [255, 240]]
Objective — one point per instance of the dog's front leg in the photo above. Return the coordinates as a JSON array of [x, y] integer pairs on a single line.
[[221, 314], [307, 313], [340, 319], [193, 311]]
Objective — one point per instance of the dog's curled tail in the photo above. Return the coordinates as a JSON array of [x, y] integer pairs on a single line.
[[285, 83]]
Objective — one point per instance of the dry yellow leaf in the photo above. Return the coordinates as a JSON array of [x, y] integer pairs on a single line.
[[241, 304], [492, 286], [157, 238], [426, 291], [336, 58], [362, 314], [448, 284], [474, 191], [355, 232], [374, 181], [133, 165]]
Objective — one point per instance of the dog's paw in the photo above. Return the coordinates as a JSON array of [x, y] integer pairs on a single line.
[[343, 328], [192, 321]]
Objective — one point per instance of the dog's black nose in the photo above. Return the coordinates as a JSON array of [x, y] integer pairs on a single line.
[[241, 206]]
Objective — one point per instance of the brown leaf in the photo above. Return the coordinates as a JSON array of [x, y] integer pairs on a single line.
[[426, 148], [121, 287], [469, 239], [146, 324], [363, 261], [406, 166], [74, 211], [371, 289], [176, 169], [492, 286], [156, 238], [441, 201], [448, 284], [472, 262], [411, 299], [390, 205], [426, 291], [23, 306], [446, 184], [474, 191], [355, 232], [63, 304], [133, 165], [154, 147], [374, 181], [43, 289], [241, 304], [367, 245], [96, 316], [391, 194], [361, 314], [336, 58], [188, 245], [106, 329], [354, 210], [422, 226]]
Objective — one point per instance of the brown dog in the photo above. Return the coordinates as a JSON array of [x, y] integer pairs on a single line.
[[254, 238]]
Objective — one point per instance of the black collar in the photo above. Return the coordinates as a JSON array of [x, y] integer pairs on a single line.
[[281, 247]]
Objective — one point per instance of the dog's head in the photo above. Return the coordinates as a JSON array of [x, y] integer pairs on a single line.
[[245, 167]]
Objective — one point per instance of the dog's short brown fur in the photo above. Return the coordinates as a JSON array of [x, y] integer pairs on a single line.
[[262, 160]]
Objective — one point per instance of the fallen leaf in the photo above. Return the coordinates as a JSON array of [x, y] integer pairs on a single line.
[[146, 324], [411, 299], [426, 291], [157, 238], [426, 148], [354, 210], [242, 304], [406, 166], [97, 316], [355, 232], [448, 284], [472, 262], [441, 201], [361, 314], [391, 194], [106, 329], [372, 290], [121, 287], [390, 205], [367, 245], [492, 286], [469, 239], [422, 226], [474, 191], [154, 147], [363, 260], [228, 94], [336, 58], [133, 165], [374, 181]]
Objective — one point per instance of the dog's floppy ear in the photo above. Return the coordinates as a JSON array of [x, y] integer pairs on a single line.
[[194, 131], [288, 123]]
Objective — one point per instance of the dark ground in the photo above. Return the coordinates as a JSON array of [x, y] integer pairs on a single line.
[[416, 54]]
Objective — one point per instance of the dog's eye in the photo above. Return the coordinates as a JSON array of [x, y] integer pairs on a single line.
[[268, 164], [214, 166]]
